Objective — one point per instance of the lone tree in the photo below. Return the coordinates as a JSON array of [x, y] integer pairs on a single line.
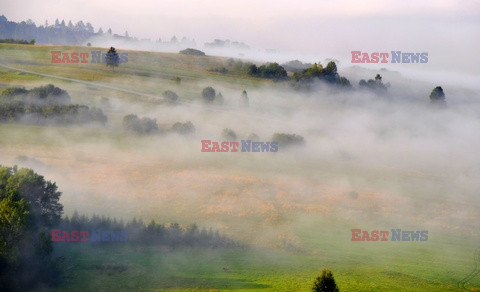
[[112, 58], [437, 96], [325, 282], [208, 94]]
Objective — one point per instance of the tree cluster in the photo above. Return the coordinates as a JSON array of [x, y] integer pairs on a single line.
[[132, 123], [296, 66], [220, 44], [328, 74], [186, 128], [269, 71], [45, 105], [147, 126], [374, 85], [29, 207]]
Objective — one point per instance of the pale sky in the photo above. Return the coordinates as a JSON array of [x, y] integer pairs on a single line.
[[448, 29]]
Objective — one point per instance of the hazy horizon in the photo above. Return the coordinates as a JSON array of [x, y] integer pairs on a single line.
[[310, 31]]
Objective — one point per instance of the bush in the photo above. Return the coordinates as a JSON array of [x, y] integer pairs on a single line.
[[192, 52], [170, 95], [184, 129], [208, 94], [287, 140], [142, 126], [325, 282], [222, 70]]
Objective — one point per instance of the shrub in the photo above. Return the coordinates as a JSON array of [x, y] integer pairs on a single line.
[[170, 95], [192, 52], [134, 124], [208, 94], [325, 282], [184, 129], [222, 70]]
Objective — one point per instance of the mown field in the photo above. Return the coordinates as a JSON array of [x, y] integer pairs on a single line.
[[294, 210]]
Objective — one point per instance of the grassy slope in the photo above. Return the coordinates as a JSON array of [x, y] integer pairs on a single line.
[[147, 72]]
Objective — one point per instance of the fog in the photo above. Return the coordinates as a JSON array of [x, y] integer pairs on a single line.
[[372, 159], [409, 163]]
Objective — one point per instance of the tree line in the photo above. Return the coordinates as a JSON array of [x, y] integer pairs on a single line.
[[59, 33], [14, 41], [153, 233]]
